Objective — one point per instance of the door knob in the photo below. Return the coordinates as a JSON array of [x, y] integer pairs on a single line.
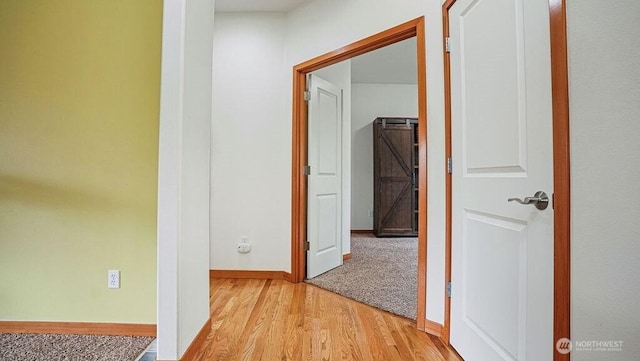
[[540, 200]]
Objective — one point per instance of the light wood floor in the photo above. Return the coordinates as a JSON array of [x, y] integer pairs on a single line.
[[274, 320]]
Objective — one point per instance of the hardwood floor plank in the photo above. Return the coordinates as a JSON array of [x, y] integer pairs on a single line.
[[252, 341], [309, 314], [348, 332], [447, 353], [376, 340], [274, 320], [327, 324], [361, 340], [234, 316], [295, 324], [384, 330], [401, 344], [277, 329]]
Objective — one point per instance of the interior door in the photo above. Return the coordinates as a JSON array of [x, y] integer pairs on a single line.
[[324, 212], [502, 251]]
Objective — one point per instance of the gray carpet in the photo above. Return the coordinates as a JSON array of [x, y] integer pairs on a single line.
[[382, 272], [47, 347]]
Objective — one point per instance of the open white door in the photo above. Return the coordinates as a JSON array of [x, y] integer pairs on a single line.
[[324, 210], [502, 252]]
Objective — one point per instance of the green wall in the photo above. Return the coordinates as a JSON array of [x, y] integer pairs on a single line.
[[79, 107]]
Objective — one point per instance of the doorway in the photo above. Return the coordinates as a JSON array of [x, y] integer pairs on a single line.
[[413, 28], [379, 258]]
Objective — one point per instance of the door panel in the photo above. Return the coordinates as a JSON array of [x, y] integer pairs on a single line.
[[492, 53], [493, 255], [502, 252], [324, 217], [395, 206], [328, 227], [328, 126], [395, 143]]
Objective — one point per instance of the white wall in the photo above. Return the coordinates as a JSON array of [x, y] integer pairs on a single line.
[[340, 75], [604, 77], [183, 180], [322, 26], [370, 101], [251, 151]]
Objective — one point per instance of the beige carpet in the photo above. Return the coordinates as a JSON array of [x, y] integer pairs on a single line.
[[382, 272], [46, 347]]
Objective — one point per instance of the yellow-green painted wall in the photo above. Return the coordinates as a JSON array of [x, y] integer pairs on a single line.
[[79, 106]]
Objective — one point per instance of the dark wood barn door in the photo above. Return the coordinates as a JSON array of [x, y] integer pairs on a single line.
[[395, 177]]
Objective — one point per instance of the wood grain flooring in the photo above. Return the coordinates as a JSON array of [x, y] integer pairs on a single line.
[[275, 320]]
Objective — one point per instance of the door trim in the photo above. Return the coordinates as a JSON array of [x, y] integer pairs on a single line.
[[561, 173], [398, 33]]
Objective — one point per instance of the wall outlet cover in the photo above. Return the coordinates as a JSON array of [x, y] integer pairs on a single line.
[[244, 247], [114, 279]]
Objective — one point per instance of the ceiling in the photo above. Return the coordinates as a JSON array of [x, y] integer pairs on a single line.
[[393, 64], [257, 5]]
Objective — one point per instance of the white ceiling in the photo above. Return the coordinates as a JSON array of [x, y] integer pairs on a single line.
[[393, 64], [257, 5]]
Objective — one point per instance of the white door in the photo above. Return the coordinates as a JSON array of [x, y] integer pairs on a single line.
[[502, 252], [324, 210]]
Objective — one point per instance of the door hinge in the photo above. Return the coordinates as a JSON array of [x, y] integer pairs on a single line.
[[447, 46], [307, 95], [306, 170], [307, 246], [449, 289], [449, 165]]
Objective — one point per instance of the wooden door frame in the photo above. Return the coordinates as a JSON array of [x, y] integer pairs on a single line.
[[561, 173], [412, 28]]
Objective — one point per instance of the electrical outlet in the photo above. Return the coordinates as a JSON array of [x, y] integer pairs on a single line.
[[114, 278], [244, 247], [370, 213]]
